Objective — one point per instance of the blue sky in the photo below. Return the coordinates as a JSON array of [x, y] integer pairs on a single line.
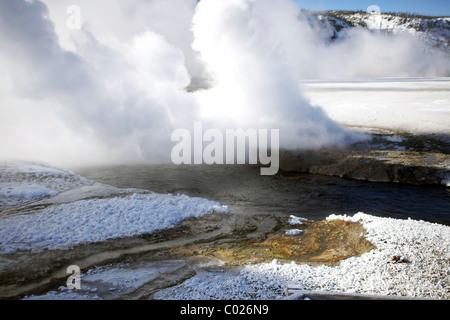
[[428, 7]]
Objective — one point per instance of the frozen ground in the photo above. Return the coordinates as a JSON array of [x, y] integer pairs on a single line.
[[114, 281], [84, 221], [424, 271], [63, 225], [419, 106], [412, 259], [24, 182]]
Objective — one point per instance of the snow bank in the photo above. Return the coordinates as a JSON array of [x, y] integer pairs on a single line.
[[296, 220], [419, 106], [22, 182], [64, 294], [99, 219], [125, 277], [293, 232], [63, 225], [423, 247], [23, 194], [114, 281], [434, 32], [33, 173], [412, 259]]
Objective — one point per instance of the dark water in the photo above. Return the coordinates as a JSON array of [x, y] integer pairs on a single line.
[[310, 196]]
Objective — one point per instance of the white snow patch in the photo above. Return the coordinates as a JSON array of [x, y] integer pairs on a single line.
[[394, 138], [296, 220], [419, 106], [22, 183], [424, 245], [16, 195], [293, 232], [130, 276], [64, 294], [96, 220]]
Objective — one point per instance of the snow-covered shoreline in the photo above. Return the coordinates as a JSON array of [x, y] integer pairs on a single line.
[[424, 248], [25, 182], [63, 225], [412, 258], [87, 221]]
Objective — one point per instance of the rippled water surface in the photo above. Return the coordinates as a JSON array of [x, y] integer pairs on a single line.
[[311, 196]]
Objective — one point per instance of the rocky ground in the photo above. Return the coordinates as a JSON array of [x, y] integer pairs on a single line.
[[230, 241], [388, 156], [218, 240]]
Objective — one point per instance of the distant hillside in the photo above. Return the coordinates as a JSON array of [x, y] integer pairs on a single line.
[[434, 31]]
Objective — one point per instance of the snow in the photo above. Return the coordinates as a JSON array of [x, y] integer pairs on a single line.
[[64, 295], [434, 31], [68, 220], [23, 194], [412, 105], [412, 258], [293, 232], [97, 190], [25, 172], [394, 138], [424, 246], [113, 281], [22, 183], [66, 225], [127, 277], [296, 220]]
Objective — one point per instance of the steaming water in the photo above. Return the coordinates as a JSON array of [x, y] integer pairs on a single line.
[[310, 196], [113, 91]]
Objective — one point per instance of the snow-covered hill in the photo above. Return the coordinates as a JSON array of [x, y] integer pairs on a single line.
[[434, 31]]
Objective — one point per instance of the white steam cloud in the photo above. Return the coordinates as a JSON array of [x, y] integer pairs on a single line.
[[246, 46], [113, 100], [113, 91]]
